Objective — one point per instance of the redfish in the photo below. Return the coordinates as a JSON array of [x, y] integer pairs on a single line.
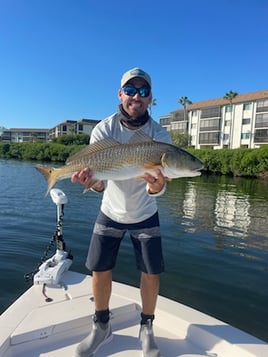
[[110, 160]]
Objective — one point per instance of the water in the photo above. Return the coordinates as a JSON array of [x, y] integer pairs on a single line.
[[215, 239]]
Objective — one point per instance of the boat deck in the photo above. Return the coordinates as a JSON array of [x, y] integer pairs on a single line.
[[49, 321]]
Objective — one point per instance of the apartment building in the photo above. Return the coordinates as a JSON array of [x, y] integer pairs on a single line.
[[218, 124], [19, 135], [73, 127], [67, 127]]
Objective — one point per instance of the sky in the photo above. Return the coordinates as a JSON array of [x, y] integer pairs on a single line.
[[63, 59]]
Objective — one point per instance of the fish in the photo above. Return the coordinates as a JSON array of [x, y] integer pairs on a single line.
[[109, 159]]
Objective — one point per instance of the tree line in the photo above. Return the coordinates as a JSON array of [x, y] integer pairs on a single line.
[[232, 162]]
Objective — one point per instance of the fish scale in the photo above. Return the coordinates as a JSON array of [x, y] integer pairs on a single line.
[[111, 160]]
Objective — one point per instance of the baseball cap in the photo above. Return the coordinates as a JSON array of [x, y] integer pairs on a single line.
[[135, 72]]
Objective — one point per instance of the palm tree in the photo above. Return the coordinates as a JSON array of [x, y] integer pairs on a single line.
[[184, 101], [230, 96], [152, 104]]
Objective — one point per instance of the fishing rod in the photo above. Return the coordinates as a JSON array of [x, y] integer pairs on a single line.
[[51, 270]]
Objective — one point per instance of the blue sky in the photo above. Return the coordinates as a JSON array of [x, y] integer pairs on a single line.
[[63, 59]]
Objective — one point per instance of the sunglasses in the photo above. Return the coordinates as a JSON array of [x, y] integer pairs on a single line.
[[131, 91]]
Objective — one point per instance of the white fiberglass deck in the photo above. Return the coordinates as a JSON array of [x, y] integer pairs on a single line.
[[33, 327]]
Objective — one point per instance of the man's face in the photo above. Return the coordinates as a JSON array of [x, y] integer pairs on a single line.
[[135, 105]]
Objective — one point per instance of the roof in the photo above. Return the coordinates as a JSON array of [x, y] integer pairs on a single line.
[[26, 130], [240, 98], [88, 121]]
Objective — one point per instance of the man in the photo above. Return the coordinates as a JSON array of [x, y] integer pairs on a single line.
[[128, 205]]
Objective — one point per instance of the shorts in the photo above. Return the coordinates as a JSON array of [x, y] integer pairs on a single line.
[[108, 234]]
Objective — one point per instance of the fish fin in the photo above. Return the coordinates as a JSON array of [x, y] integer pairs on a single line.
[[47, 172], [150, 166], [138, 137], [92, 148], [163, 160]]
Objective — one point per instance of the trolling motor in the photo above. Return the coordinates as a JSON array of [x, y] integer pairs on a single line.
[[51, 270]]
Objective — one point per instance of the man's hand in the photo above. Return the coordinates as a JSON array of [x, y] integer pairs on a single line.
[[155, 182], [85, 177]]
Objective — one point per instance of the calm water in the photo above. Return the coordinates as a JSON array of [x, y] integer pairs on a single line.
[[215, 237]]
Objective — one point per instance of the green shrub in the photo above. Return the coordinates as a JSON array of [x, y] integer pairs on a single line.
[[237, 162]]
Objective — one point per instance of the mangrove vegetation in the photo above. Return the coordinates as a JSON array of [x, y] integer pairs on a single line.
[[232, 162]]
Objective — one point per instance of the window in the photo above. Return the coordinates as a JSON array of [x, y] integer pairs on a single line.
[[179, 116], [211, 112], [179, 126], [247, 106], [262, 105], [209, 138], [245, 135], [245, 121], [261, 136], [210, 124], [228, 108], [261, 121], [165, 121]]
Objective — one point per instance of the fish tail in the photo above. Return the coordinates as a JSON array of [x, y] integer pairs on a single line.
[[49, 173]]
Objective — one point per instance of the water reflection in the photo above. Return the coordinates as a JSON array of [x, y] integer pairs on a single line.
[[231, 210], [235, 210], [232, 214], [189, 206], [215, 240]]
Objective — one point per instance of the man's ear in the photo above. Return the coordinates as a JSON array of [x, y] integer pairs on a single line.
[[119, 94]]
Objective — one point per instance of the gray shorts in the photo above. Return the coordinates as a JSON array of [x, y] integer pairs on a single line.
[[107, 236]]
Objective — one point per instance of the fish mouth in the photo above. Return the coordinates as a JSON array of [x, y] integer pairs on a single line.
[[173, 172]]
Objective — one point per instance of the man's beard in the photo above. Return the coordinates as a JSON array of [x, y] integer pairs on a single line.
[[129, 120]]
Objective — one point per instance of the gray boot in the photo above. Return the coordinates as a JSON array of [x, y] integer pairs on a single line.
[[100, 334], [146, 336]]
